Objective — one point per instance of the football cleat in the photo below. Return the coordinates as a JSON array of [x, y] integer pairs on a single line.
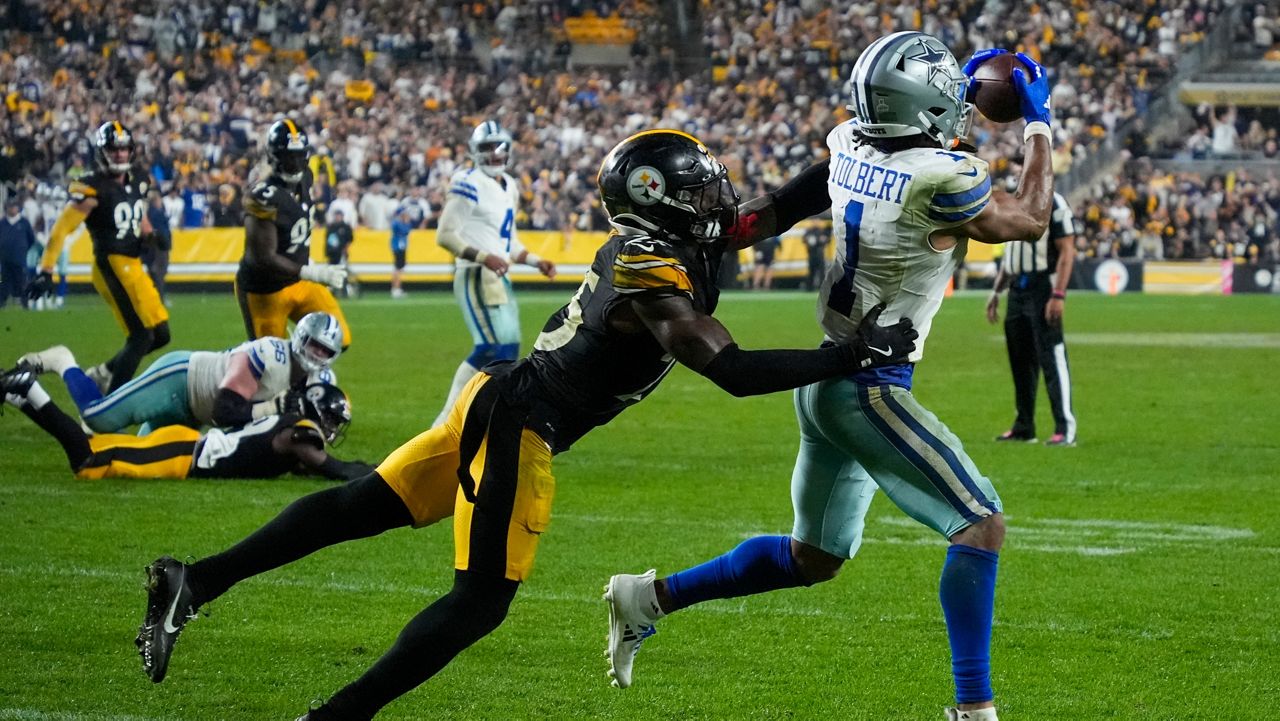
[[50, 360], [629, 623], [101, 376], [170, 604], [982, 714], [1060, 439], [16, 383], [1016, 437]]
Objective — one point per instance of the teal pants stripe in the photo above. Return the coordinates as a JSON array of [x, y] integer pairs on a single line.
[[156, 397], [488, 323], [856, 439]]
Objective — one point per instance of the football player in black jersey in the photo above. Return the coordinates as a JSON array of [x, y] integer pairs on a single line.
[[265, 448], [111, 202], [645, 304], [276, 281]]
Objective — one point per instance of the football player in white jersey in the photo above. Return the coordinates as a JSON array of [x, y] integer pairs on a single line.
[[253, 380], [478, 225], [906, 199]]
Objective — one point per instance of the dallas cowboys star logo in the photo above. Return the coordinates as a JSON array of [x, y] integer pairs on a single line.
[[930, 56]]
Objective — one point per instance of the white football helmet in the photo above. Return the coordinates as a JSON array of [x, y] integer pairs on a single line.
[[490, 148], [316, 341]]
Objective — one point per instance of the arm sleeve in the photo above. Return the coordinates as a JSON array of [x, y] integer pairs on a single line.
[[803, 196], [449, 234], [231, 409], [67, 222], [753, 373]]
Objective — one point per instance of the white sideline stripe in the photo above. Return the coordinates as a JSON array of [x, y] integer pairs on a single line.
[[1208, 341], [30, 714]]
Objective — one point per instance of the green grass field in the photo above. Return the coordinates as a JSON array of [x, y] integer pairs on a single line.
[[1139, 580]]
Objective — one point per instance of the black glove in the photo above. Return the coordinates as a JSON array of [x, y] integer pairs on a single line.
[[41, 286], [878, 345], [292, 401]]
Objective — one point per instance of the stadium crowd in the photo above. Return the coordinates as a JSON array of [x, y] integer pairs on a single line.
[[388, 91], [1157, 214]]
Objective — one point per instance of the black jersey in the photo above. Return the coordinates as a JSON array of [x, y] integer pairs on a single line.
[[115, 223], [290, 208], [587, 371], [247, 452]]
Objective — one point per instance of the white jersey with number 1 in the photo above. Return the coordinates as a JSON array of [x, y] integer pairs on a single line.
[[884, 207], [490, 222]]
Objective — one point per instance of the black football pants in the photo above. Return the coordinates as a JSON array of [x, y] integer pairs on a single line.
[[1036, 346]]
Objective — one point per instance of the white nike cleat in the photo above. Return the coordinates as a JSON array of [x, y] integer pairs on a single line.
[[982, 714], [101, 376], [633, 608], [50, 360]]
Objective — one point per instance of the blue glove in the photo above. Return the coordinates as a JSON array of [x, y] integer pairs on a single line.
[[1034, 94], [971, 67], [979, 58]]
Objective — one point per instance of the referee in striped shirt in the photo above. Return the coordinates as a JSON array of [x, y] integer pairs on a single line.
[[1036, 273]]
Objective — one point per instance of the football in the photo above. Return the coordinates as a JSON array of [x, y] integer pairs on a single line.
[[994, 93]]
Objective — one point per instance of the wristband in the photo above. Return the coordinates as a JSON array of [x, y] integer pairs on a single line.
[[480, 256], [1059, 295], [1035, 128], [531, 259]]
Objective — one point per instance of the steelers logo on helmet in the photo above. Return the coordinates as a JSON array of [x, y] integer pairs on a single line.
[[646, 185], [315, 393]]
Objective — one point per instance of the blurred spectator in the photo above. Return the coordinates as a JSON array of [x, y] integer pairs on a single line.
[[156, 253], [338, 237], [227, 211], [765, 253], [16, 239], [401, 224], [816, 239]]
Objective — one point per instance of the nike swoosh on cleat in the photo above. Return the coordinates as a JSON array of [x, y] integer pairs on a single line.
[[173, 607]]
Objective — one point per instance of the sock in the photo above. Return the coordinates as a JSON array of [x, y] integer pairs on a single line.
[[37, 396], [474, 607], [757, 565], [465, 373], [81, 387], [62, 427], [359, 509], [967, 592]]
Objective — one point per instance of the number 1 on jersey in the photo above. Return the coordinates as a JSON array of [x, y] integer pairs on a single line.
[[842, 295]]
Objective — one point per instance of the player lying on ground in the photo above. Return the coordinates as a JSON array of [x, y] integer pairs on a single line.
[[265, 448], [905, 206], [257, 379], [646, 303]]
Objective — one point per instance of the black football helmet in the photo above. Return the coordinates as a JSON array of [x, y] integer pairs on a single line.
[[667, 183], [112, 135], [330, 408], [287, 150]]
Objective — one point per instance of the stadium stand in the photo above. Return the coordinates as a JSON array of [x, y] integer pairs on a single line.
[[387, 91]]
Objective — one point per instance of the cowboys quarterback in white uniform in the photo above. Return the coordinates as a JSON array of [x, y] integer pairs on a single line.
[[906, 198], [478, 226]]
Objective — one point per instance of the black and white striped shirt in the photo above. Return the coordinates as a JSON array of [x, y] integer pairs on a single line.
[[1040, 256]]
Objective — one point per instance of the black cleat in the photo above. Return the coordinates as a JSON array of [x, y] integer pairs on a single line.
[[169, 607], [1016, 437], [17, 381]]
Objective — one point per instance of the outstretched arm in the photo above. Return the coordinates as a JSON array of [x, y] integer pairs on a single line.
[[702, 343], [775, 213], [319, 462]]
